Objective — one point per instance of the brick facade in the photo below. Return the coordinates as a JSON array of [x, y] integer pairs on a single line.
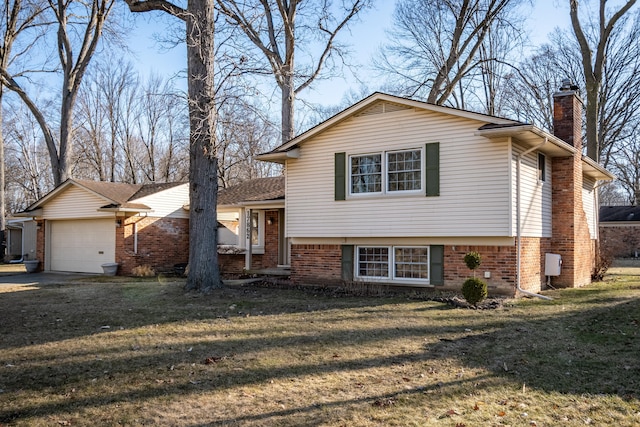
[[234, 264], [161, 243], [321, 264], [570, 230], [40, 233], [316, 264]]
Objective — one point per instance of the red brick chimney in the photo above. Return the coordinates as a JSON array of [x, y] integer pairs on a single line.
[[570, 231], [567, 114]]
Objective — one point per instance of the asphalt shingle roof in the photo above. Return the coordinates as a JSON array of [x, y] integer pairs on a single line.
[[619, 213], [255, 190]]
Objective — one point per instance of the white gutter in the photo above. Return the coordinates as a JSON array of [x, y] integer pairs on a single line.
[[519, 225]]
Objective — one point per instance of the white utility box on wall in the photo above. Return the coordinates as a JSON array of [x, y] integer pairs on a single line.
[[552, 264]]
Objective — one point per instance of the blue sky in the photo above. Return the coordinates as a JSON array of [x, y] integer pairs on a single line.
[[365, 37]]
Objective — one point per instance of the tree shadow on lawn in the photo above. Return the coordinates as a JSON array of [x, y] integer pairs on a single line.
[[162, 374], [594, 350], [56, 312], [586, 350]]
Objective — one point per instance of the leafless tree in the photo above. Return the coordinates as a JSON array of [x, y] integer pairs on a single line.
[[531, 85], [26, 159], [242, 134], [593, 48], [79, 28], [282, 31], [626, 166], [528, 88], [204, 273], [436, 45], [17, 18]]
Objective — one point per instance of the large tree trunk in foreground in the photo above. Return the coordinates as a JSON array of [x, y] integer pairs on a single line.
[[204, 274]]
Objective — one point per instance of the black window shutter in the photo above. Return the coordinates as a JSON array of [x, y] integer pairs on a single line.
[[340, 176], [432, 169], [347, 262], [436, 264]]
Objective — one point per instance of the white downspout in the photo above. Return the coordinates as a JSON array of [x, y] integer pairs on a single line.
[[519, 225], [135, 237]]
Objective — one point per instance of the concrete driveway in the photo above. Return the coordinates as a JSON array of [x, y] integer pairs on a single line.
[[14, 274]]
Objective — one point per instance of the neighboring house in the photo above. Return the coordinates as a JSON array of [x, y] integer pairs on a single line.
[[396, 191], [21, 239], [251, 233], [620, 231], [84, 224]]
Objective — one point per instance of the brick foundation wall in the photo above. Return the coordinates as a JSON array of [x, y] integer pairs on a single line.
[[620, 241], [500, 261], [162, 243], [316, 264], [532, 263], [321, 264]]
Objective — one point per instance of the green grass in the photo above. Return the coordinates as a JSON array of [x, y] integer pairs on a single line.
[[145, 353]]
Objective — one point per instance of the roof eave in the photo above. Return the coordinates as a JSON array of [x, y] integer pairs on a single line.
[[594, 170], [558, 147], [30, 213], [127, 210]]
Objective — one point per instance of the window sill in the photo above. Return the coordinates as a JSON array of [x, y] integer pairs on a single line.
[[234, 250], [394, 282]]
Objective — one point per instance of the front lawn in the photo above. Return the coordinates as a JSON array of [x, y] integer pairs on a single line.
[[145, 353]]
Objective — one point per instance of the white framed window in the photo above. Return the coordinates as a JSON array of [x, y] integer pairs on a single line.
[[366, 173], [404, 170], [411, 262], [393, 263], [373, 262], [401, 171]]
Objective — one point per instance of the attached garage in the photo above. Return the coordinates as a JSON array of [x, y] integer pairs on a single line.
[[81, 225], [81, 245]]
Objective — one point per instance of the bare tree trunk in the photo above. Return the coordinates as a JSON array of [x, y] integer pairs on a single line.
[[594, 67], [270, 26], [3, 223], [288, 102], [204, 273]]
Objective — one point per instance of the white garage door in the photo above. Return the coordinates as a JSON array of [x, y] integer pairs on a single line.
[[81, 245]]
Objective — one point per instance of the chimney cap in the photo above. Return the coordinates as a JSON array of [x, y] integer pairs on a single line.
[[567, 85]]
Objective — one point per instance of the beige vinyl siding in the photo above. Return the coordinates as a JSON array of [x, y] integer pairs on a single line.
[[589, 204], [474, 185], [228, 215], [168, 203], [535, 196], [75, 202]]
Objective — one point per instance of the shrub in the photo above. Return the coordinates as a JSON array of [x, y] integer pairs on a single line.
[[472, 260], [474, 290], [142, 271]]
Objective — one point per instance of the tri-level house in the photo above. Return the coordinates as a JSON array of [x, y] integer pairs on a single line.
[[397, 191]]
